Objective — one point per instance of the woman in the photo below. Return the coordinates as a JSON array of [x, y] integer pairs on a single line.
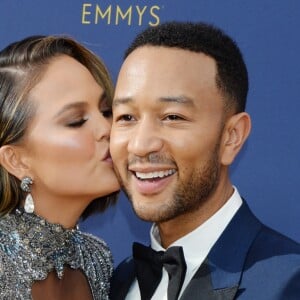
[[55, 168]]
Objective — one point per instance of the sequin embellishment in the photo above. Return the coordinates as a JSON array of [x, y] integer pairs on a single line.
[[30, 248]]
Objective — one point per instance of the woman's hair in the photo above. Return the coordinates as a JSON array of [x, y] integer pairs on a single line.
[[22, 64]]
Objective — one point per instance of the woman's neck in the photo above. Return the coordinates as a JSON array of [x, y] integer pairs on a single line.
[[60, 211]]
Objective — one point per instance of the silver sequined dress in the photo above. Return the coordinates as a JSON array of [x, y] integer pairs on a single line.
[[30, 248]]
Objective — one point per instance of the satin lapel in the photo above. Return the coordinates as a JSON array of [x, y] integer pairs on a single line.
[[219, 276], [201, 287]]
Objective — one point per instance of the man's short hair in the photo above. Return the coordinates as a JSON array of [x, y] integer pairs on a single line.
[[232, 76]]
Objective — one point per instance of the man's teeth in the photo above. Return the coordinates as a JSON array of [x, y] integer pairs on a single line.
[[154, 175]]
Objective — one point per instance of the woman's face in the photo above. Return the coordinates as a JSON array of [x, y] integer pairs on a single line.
[[67, 142]]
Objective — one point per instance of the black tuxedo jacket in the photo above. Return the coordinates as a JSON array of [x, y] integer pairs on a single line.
[[248, 262]]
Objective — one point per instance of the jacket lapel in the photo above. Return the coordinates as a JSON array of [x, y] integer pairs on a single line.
[[219, 275], [200, 287]]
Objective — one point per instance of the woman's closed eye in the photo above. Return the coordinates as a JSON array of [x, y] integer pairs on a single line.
[[77, 123]]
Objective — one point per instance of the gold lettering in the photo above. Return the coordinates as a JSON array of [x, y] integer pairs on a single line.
[[140, 13], [85, 12], [155, 16], [123, 16], [116, 14], [102, 15]]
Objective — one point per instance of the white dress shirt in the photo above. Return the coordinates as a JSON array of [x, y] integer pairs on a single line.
[[196, 246]]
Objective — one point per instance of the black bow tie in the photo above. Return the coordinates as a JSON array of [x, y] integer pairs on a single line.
[[148, 266]]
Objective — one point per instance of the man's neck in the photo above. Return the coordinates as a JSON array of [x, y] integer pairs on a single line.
[[174, 229]]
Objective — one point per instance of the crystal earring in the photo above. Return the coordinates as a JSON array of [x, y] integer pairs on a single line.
[[25, 186]]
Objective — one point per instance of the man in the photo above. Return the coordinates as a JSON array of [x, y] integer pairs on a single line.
[[179, 121]]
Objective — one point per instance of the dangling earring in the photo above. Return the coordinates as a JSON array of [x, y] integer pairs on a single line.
[[25, 186]]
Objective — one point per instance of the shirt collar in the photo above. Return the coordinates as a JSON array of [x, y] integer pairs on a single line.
[[197, 244]]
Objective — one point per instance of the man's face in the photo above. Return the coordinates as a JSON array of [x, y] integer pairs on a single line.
[[167, 123]]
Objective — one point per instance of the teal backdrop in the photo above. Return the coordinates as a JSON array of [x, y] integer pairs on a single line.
[[267, 31]]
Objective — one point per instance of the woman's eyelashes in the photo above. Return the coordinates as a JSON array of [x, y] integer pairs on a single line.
[[77, 122], [77, 117]]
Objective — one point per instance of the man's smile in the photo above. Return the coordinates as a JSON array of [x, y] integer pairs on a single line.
[[154, 175]]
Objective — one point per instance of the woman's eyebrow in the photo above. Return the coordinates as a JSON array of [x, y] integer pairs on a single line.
[[78, 104], [69, 106]]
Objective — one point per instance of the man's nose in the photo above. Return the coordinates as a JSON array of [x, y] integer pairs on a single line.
[[145, 139]]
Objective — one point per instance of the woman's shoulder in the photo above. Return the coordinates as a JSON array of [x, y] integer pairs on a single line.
[[9, 236], [93, 242], [8, 223], [98, 262], [11, 272], [91, 239]]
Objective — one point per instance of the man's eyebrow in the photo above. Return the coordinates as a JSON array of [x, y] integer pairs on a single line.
[[178, 99], [119, 101], [169, 99]]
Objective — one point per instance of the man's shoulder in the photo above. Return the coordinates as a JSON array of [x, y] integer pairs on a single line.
[[263, 239], [264, 256], [266, 244], [271, 244], [272, 265]]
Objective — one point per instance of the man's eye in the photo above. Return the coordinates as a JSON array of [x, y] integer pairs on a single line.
[[125, 118], [77, 123], [173, 118]]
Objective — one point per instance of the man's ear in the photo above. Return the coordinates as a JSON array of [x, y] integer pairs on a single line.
[[236, 132], [12, 160]]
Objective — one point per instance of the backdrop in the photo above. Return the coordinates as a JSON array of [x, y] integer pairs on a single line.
[[267, 31]]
